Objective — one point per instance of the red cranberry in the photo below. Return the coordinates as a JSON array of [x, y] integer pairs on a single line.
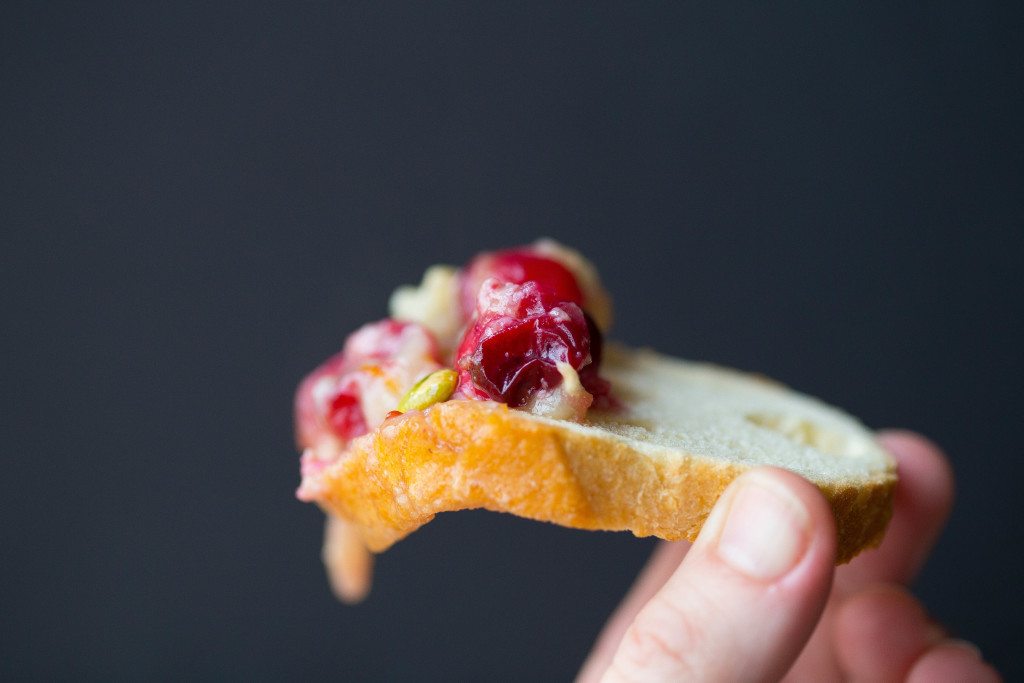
[[345, 414], [555, 282], [329, 397], [517, 340], [596, 385], [309, 409], [387, 339]]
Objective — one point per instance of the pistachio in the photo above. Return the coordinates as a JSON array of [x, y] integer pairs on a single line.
[[434, 388]]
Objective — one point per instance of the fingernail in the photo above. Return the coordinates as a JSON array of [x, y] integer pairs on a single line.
[[766, 530], [966, 645]]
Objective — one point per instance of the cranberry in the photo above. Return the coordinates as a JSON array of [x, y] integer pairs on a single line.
[[330, 398], [555, 282], [345, 414], [596, 385], [387, 339], [518, 337], [309, 409]]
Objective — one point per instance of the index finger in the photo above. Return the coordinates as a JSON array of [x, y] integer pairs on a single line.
[[923, 500]]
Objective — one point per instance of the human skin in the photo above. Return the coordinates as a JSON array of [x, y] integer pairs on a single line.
[[757, 598]]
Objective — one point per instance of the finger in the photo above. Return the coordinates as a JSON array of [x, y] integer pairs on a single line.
[[817, 662], [950, 662], [746, 597], [880, 632], [923, 499], [664, 561]]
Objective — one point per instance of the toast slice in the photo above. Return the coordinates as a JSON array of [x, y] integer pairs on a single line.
[[653, 466]]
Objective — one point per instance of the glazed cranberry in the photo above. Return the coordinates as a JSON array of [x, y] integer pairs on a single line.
[[517, 340], [554, 281]]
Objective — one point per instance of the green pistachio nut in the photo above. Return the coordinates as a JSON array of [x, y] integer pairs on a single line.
[[434, 388]]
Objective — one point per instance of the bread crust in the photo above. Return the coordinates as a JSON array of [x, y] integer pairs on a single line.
[[466, 454]]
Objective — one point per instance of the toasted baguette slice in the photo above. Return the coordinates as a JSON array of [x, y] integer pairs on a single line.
[[655, 466]]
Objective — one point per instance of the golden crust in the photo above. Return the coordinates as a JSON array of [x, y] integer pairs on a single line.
[[471, 454]]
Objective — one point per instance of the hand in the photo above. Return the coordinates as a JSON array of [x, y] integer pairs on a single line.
[[756, 598]]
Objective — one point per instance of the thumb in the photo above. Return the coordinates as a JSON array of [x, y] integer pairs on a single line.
[[746, 598]]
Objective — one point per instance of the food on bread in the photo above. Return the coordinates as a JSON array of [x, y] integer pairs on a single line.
[[524, 409]]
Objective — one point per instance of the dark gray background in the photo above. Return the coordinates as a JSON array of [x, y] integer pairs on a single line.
[[198, 204]]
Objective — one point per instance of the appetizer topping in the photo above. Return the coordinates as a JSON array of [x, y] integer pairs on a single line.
[[434, 388], [433, 304], [344, 414], [596, 385], [596, 301], [519, 266], [567, 401], [521, 334], [529, 320], [353, 391]]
